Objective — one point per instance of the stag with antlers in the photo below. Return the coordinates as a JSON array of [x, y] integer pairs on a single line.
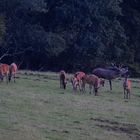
[[110, 73]]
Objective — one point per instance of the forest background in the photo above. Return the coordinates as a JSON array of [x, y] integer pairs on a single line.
[[70, 34]]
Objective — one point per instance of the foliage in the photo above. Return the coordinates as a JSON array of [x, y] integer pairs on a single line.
[[72, 35], [2, 28]]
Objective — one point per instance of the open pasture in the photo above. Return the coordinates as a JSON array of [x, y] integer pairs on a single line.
[[35, 108]]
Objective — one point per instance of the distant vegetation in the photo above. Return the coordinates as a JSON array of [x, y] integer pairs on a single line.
[[70, 35]]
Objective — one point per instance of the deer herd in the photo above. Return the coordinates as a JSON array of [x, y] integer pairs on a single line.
[[97, 79], [8, 72], [80, 79]]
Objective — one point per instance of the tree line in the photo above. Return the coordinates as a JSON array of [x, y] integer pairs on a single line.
[[71, 35]]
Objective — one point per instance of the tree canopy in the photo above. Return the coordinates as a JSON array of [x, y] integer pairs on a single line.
[[70, 35]]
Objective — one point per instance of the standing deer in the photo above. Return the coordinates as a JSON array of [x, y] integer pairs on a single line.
[[12, 71], [77, 80], [127, 88], [110, 73], [92, 81], [62, 78], [4, 70]]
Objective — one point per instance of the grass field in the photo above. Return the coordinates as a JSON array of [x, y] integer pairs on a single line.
[[35, 108]]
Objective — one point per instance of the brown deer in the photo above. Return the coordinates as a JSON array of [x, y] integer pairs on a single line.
[[12, 71], [4, 70], [92, 81], [127, 88], [77, 80], [62, 78]]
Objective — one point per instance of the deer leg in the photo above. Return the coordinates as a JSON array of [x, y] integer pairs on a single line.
[[75, 87], [79, 87], [124, 93], [7, 78], [2, 78], [64, 85], [83, 87], [127, 93], [90, 87], [75, 84], [110, 83], [72, 84], [14, 78], [60, 84], [95, 90]]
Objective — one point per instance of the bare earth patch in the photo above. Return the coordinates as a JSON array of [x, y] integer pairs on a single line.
[[130, 129]]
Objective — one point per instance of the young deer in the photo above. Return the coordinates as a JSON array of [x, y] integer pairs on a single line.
[[4, 70], [12, 71], [127, 88], [92, 81], [77, 80], [62, 77]]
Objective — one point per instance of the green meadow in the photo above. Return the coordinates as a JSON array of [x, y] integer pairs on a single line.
[[35, 108]]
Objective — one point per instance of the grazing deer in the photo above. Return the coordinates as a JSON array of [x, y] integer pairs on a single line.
[[76, 84], [92, 81], [77, 80], [4, 70], [127, 88], [62, 77], [12, 71], [110, 73]]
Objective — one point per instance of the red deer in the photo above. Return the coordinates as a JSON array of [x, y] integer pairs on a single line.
[[76, 83], [77, 80], [110, 73], [62, 77], [4, 70], [127, 88], [92, 81], [12, 71]]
